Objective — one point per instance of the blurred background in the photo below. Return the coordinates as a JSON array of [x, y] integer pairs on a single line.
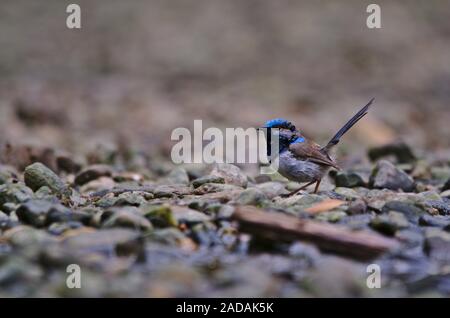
[[138, 69]]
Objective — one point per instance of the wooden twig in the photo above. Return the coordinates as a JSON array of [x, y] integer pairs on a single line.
[[328, 237]]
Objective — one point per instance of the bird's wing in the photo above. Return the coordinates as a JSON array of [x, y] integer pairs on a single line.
[[311, 151]]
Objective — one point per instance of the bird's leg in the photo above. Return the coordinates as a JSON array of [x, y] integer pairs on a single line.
[[299, 189], [317, 185]]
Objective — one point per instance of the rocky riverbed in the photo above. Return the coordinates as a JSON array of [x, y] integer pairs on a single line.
[[154, 230]]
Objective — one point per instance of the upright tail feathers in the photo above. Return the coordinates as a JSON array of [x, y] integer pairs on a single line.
[[348, 125]]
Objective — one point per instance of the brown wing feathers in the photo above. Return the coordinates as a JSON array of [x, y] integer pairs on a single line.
[[311, 151]]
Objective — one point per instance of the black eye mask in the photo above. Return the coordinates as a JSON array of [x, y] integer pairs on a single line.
[[285, 137]]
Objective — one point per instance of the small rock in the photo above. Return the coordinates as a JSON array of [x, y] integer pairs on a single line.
[[231, 174], [37, 175], [225, 212], [437, 245], [358, 221], [129, 217], [130, 198], [358, 206], [343, 281], [14, 193], [216, 187], [210, 209], [168, 191], [196, 170], [60, 228], [123, 242], [3, 216], [390, 223], [100, 184], [66, 162], [347, 193], [305, 251], [200, 204], [34, 212], [412, 237], [410, 210], [262, 179], [9, 208], [400, 150], [442, 206], [65, 215], [174, 237], [93, 172], [4, 221], [351, 179], [303, 201], [436, 221], [178, 176], [272, 189], [207, 179], [45, 193], [107, 201], [160, 215], [251, 196], [26, 236], [429, 196], [185, 215], [386, 175], [128, 177], [445, 194]]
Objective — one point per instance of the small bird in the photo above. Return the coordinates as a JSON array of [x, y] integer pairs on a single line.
[[303, 160]]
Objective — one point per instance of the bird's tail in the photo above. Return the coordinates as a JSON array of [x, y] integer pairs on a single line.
[[348, 125]]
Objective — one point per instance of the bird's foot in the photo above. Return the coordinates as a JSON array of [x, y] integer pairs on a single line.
[[288, 195]]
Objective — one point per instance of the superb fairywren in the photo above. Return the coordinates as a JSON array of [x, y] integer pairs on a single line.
[[303, 160]]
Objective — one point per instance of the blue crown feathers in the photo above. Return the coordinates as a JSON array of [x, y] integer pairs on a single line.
[[278, 122]]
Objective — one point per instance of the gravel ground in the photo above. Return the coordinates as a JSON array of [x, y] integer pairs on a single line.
[[164, 232]]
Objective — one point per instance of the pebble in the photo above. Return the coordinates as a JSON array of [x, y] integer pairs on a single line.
[[386, 176], [351, 179], [230, 173], [93, 172], [35, 212], [207, 179], [37, 175]]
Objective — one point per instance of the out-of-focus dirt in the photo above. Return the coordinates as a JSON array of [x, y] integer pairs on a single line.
[[138, 69]]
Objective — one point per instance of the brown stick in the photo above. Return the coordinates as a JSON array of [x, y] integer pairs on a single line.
[[328, 237]]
